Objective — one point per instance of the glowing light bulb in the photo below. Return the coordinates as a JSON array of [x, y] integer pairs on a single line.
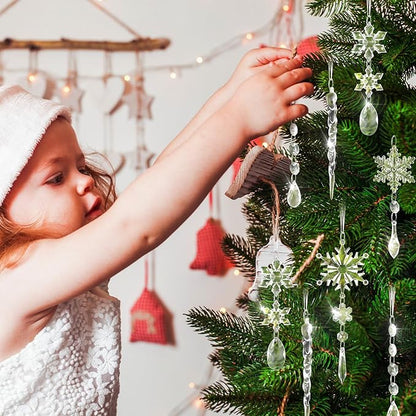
[[265, 144], [173, 75], [198, 403], [66, 89], [283, 45], [31, 77], [126, 78], [223, 310], [286, 7], [191, 385], [236, 272], [199, 59], [249, 36]]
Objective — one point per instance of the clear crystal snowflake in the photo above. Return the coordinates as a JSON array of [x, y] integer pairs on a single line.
[[278, 274], [368, 42], [343, 314], [368, 81], [275, 316], [394, 169], [342, 268]]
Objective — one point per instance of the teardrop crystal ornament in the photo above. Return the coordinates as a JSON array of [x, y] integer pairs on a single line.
[[368, 119], [293, 196], [393, 410], [342, 365], [276, 354], [394, 244]]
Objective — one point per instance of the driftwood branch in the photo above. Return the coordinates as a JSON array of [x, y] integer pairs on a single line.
[[139, 44]]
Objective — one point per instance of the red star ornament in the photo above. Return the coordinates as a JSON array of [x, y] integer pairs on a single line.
[[210, 256]]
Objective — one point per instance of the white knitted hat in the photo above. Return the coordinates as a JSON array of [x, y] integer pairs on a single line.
[[24, 119]]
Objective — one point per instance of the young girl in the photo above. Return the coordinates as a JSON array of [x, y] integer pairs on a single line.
[[63, 235]]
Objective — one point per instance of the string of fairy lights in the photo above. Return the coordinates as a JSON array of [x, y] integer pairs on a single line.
[[173, 70]]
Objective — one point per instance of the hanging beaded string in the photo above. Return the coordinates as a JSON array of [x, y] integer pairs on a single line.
[[342, 269], [368, 42], [293, 196], [331, 100], [393, 369], [307, 355], [394, 170]]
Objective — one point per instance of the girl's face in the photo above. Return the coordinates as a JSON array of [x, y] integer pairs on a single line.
[[54, 191]]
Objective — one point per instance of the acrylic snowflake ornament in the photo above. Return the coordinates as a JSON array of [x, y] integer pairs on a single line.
[[278, 274], [368, 42], [275, 316], [394, 169], [342, 268], [342, 314], [368, 81]]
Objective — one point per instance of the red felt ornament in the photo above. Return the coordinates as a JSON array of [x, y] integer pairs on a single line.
[[308, 46], [210, 256], [150, 320]]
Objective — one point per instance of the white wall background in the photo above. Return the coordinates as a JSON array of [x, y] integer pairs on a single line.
[[154, 378]]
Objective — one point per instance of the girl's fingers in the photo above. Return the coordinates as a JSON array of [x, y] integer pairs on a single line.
[[295, 111], [297, 91], [276, 69], [265, 55], [295, 76]]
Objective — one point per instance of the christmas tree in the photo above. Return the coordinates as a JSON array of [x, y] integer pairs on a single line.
[[250, 386]]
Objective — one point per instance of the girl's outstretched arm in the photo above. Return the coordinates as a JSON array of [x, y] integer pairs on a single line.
[[161, 198]]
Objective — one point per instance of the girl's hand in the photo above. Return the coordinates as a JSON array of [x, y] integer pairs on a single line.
[[253, 62], [263, 102]]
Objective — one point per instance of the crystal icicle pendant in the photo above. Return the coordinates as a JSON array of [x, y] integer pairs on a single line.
[[368, 119], [331, 100], [393, 410], [394, 244], [276, 354], [294, 196], [342, 365], [306, 330]]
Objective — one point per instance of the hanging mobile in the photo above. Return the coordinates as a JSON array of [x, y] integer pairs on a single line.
[[294, 196], [342, 269], [274, 271], [394, 170], [331, 100], [393, 369], [307, 355], [368, 42]]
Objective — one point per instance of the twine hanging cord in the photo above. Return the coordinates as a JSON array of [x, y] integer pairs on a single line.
[[275, 223]]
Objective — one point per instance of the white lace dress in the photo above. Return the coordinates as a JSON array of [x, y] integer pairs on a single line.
[[72, 365]]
